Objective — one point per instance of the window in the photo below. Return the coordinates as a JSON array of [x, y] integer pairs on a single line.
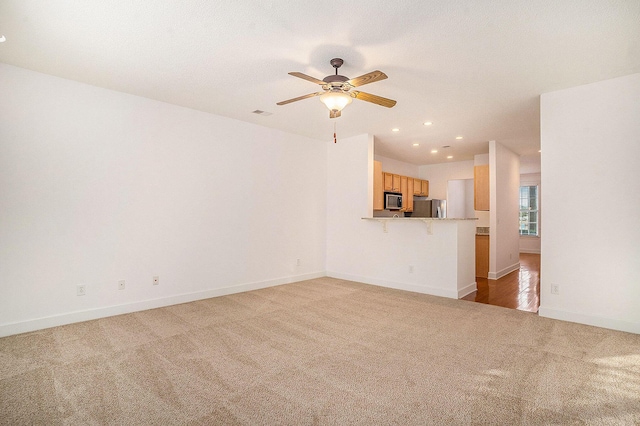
[[529, 210]]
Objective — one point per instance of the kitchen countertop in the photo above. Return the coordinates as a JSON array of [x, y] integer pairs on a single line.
[[419, 218], [482, 230], [429, 221]]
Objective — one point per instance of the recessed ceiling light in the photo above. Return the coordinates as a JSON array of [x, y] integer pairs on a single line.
[[458, 137], [428, 123], [449, 157], [416, 144], [395, 130], [434, 151], [2, 39]]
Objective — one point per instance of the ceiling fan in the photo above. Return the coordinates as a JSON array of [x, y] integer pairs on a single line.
[[337, 89]]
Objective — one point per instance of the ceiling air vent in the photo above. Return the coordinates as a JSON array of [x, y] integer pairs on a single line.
[[260, 112]]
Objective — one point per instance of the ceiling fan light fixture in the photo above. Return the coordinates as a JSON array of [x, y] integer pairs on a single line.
[[335, 101], [336, 89]]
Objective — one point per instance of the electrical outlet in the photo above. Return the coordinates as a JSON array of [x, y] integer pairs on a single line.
[[81, 290], [411, 269], [156, 280], [297, 262], [121, 285], [555, 288]]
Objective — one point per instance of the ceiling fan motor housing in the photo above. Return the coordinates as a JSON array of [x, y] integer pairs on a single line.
[[335, 83], [335, 79], [336, 63]]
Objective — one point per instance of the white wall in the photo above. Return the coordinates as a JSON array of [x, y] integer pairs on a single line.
[[481, 159], [390, 165], [504, 176], [529, 244], [97, 186], [590, 137], [530, 164], [439, 175]]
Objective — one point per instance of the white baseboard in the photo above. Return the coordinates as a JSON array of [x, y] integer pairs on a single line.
[[434, 291], [108, 311], [467, 290], [610, 323], [531, 251], [501, 273]]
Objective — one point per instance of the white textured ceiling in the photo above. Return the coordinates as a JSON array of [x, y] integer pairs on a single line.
[[474, 68]]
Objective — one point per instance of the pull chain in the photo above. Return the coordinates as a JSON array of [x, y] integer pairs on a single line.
[[335, 140]]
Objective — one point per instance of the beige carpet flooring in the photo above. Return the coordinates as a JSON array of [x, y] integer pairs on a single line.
[[323, 351]]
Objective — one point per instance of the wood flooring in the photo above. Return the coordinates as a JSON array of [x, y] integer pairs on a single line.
[[517, 290]]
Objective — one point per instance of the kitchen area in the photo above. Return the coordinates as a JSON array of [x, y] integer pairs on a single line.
[[428, 255], [402, 197]]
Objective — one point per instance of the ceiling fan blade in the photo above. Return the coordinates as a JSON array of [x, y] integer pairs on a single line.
[[334, 114], [307, 77], [374, 99], [371, 77], [299, 98]]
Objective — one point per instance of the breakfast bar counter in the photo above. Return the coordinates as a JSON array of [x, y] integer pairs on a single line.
[[427, 220], [421, 254]]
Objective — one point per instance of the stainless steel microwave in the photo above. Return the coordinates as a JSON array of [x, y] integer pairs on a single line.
[[392, 201]]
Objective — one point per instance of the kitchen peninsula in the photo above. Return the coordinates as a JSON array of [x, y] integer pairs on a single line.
[[437, 255], [419, 254]]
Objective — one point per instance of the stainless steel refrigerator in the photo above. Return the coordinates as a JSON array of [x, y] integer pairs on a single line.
[[429, 208]]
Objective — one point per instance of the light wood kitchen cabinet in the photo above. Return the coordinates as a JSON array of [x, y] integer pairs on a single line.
[[396, 183], [378, 190], [407, 193], [482, 256], [406, 185], [481, 187], [424, 188], [391, 182], [421, 187], [388, 181], [417, 186]]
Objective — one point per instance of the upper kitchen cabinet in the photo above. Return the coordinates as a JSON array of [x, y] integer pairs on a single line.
[[391, 182], [481, 187], [421, 187], [417, 186], [388, 181], [406, 187], [424, 188], [378, 190], [396, 183]]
